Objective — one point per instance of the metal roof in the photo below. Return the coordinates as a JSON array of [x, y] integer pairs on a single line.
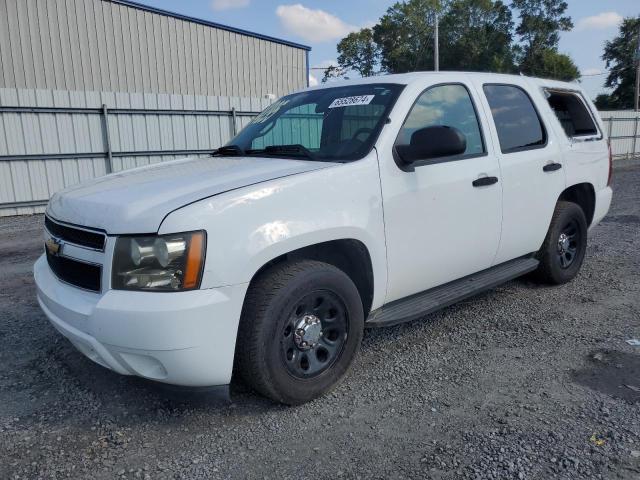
[[186, 18]]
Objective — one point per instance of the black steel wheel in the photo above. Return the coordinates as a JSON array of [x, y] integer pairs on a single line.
[[569, 242], [301, 327], [315, 334], [565, 245]]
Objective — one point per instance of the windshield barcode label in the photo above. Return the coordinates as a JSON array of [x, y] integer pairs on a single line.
[[350, 101]]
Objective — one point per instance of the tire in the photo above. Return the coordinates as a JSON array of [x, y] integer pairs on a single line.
[[564, 247], [298, 314]]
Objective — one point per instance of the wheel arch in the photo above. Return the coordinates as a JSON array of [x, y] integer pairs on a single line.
[[584, 195], [347, 254]]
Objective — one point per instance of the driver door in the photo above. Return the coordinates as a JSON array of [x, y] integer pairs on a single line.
[[441, 223]]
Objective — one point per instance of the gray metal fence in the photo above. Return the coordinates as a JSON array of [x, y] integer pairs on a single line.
[[52, 139], [622, 129]]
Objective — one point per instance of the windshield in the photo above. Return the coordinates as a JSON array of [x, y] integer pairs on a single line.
[[332, 124]]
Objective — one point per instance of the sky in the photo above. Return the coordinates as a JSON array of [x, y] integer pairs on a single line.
[[321, 24]]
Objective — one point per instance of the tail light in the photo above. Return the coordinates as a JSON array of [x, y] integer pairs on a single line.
[[610, 164]]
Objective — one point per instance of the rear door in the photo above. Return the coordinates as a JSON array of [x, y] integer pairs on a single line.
[[440, 226], [531, 166]]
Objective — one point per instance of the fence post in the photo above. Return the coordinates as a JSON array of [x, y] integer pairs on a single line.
[[610, 131], [635, 135], [234, 118], [107, 139]]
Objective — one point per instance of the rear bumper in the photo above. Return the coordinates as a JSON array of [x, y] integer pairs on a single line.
[[185, 338], [603, 202]]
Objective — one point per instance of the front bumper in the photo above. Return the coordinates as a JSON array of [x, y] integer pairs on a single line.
[[180, 338]]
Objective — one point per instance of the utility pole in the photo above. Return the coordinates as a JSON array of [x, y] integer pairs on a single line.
[[436, 51], [637, 89]]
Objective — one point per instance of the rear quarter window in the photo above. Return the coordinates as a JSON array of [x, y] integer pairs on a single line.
[[517, 122], [572, 113]]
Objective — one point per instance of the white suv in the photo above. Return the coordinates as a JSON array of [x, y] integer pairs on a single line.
[[361, 203]]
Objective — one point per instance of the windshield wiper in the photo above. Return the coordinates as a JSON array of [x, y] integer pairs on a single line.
[[295, 150], [228, 150]]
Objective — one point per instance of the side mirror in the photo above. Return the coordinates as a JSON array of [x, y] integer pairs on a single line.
[[432, 142]]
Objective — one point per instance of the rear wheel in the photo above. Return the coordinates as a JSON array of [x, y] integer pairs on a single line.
[[300, 330], [564, 247]]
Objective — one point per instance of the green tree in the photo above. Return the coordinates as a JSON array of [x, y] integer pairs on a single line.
[[404, 36], [541, 22], [603, 102], [620, 57], [474, 35], [357, 51], [477, 36], [556, 65], [333, 71]]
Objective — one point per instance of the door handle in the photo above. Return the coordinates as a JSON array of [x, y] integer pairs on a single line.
[[484, 181], [551, 167]]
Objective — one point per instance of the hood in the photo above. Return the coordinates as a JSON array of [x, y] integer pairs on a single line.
[[136, 201]]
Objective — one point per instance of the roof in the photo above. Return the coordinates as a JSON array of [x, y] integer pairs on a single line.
[[408, 78], [207, 23]]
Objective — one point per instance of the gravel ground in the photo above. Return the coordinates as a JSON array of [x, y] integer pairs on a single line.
[[521, 382]]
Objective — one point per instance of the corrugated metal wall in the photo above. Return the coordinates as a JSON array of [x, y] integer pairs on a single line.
[[623, 127], [199, 123], [181, 75], [101, 45]]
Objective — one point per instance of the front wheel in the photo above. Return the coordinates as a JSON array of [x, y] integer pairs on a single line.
[[301, 327], [565, 245]]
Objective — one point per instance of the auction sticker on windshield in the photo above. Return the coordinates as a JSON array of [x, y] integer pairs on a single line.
[[349, 101]]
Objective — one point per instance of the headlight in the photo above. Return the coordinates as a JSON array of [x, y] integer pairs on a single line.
[[159, 262]]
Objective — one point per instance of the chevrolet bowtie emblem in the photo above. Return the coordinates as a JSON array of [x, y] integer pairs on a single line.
[[53, 246]]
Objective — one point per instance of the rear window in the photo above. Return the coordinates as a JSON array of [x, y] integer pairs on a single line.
[[572, 114], [517, 122]]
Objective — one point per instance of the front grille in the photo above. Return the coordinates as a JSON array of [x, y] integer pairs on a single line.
[[79, 274], [77, 236]]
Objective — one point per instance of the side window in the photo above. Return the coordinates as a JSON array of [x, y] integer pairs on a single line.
[[299, 126], [572, 114], [446, 105], [517, 122]]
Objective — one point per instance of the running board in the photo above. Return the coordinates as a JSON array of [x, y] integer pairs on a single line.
[[421, 304]]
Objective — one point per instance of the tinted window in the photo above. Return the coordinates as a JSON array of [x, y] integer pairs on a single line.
[[359, 120], [339, 123], [572, 114], [448, 105], [298, 126], [516, 119]]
